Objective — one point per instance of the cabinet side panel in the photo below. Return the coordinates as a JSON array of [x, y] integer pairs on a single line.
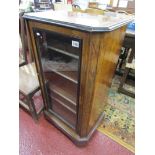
[[107, 60], [89, 60]]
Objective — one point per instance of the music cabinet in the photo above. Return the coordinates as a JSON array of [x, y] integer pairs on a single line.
[[76, 55]]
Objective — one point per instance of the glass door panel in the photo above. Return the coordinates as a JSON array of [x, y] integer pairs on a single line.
[[60, 62]]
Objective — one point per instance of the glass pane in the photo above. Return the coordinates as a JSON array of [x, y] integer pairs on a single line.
[[60, 57]]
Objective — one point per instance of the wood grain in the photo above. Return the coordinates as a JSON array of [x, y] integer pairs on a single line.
[[100, 52], [106, 65]]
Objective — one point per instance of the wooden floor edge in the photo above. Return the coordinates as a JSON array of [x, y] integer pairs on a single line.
[[116, 139]]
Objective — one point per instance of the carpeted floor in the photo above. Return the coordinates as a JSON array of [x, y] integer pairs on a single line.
[[119, 120]]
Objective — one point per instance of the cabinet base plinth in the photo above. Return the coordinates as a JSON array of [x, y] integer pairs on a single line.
[[71, 134]]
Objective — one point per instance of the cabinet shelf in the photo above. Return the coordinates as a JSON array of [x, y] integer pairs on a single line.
[[64, 99], [69, 75], [62, 87], [67, 114], [62, 119], [64, 105], [63, 52], [67, 94]]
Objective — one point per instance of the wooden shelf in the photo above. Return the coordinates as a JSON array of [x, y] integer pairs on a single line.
[[62, 119], [64, 105], [63, 99], [63, 43], [63, 52], [64, 112], [67, 93], [69, 75], [62, 87]]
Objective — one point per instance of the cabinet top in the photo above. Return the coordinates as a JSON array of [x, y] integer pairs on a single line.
[[82, 21]]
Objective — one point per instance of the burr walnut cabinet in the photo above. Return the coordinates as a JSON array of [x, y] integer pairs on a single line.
[[76, 55]]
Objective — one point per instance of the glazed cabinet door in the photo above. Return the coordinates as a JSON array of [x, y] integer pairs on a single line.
[[60, 64]]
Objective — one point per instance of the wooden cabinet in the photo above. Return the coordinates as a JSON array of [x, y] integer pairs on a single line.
[[78, 64]]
